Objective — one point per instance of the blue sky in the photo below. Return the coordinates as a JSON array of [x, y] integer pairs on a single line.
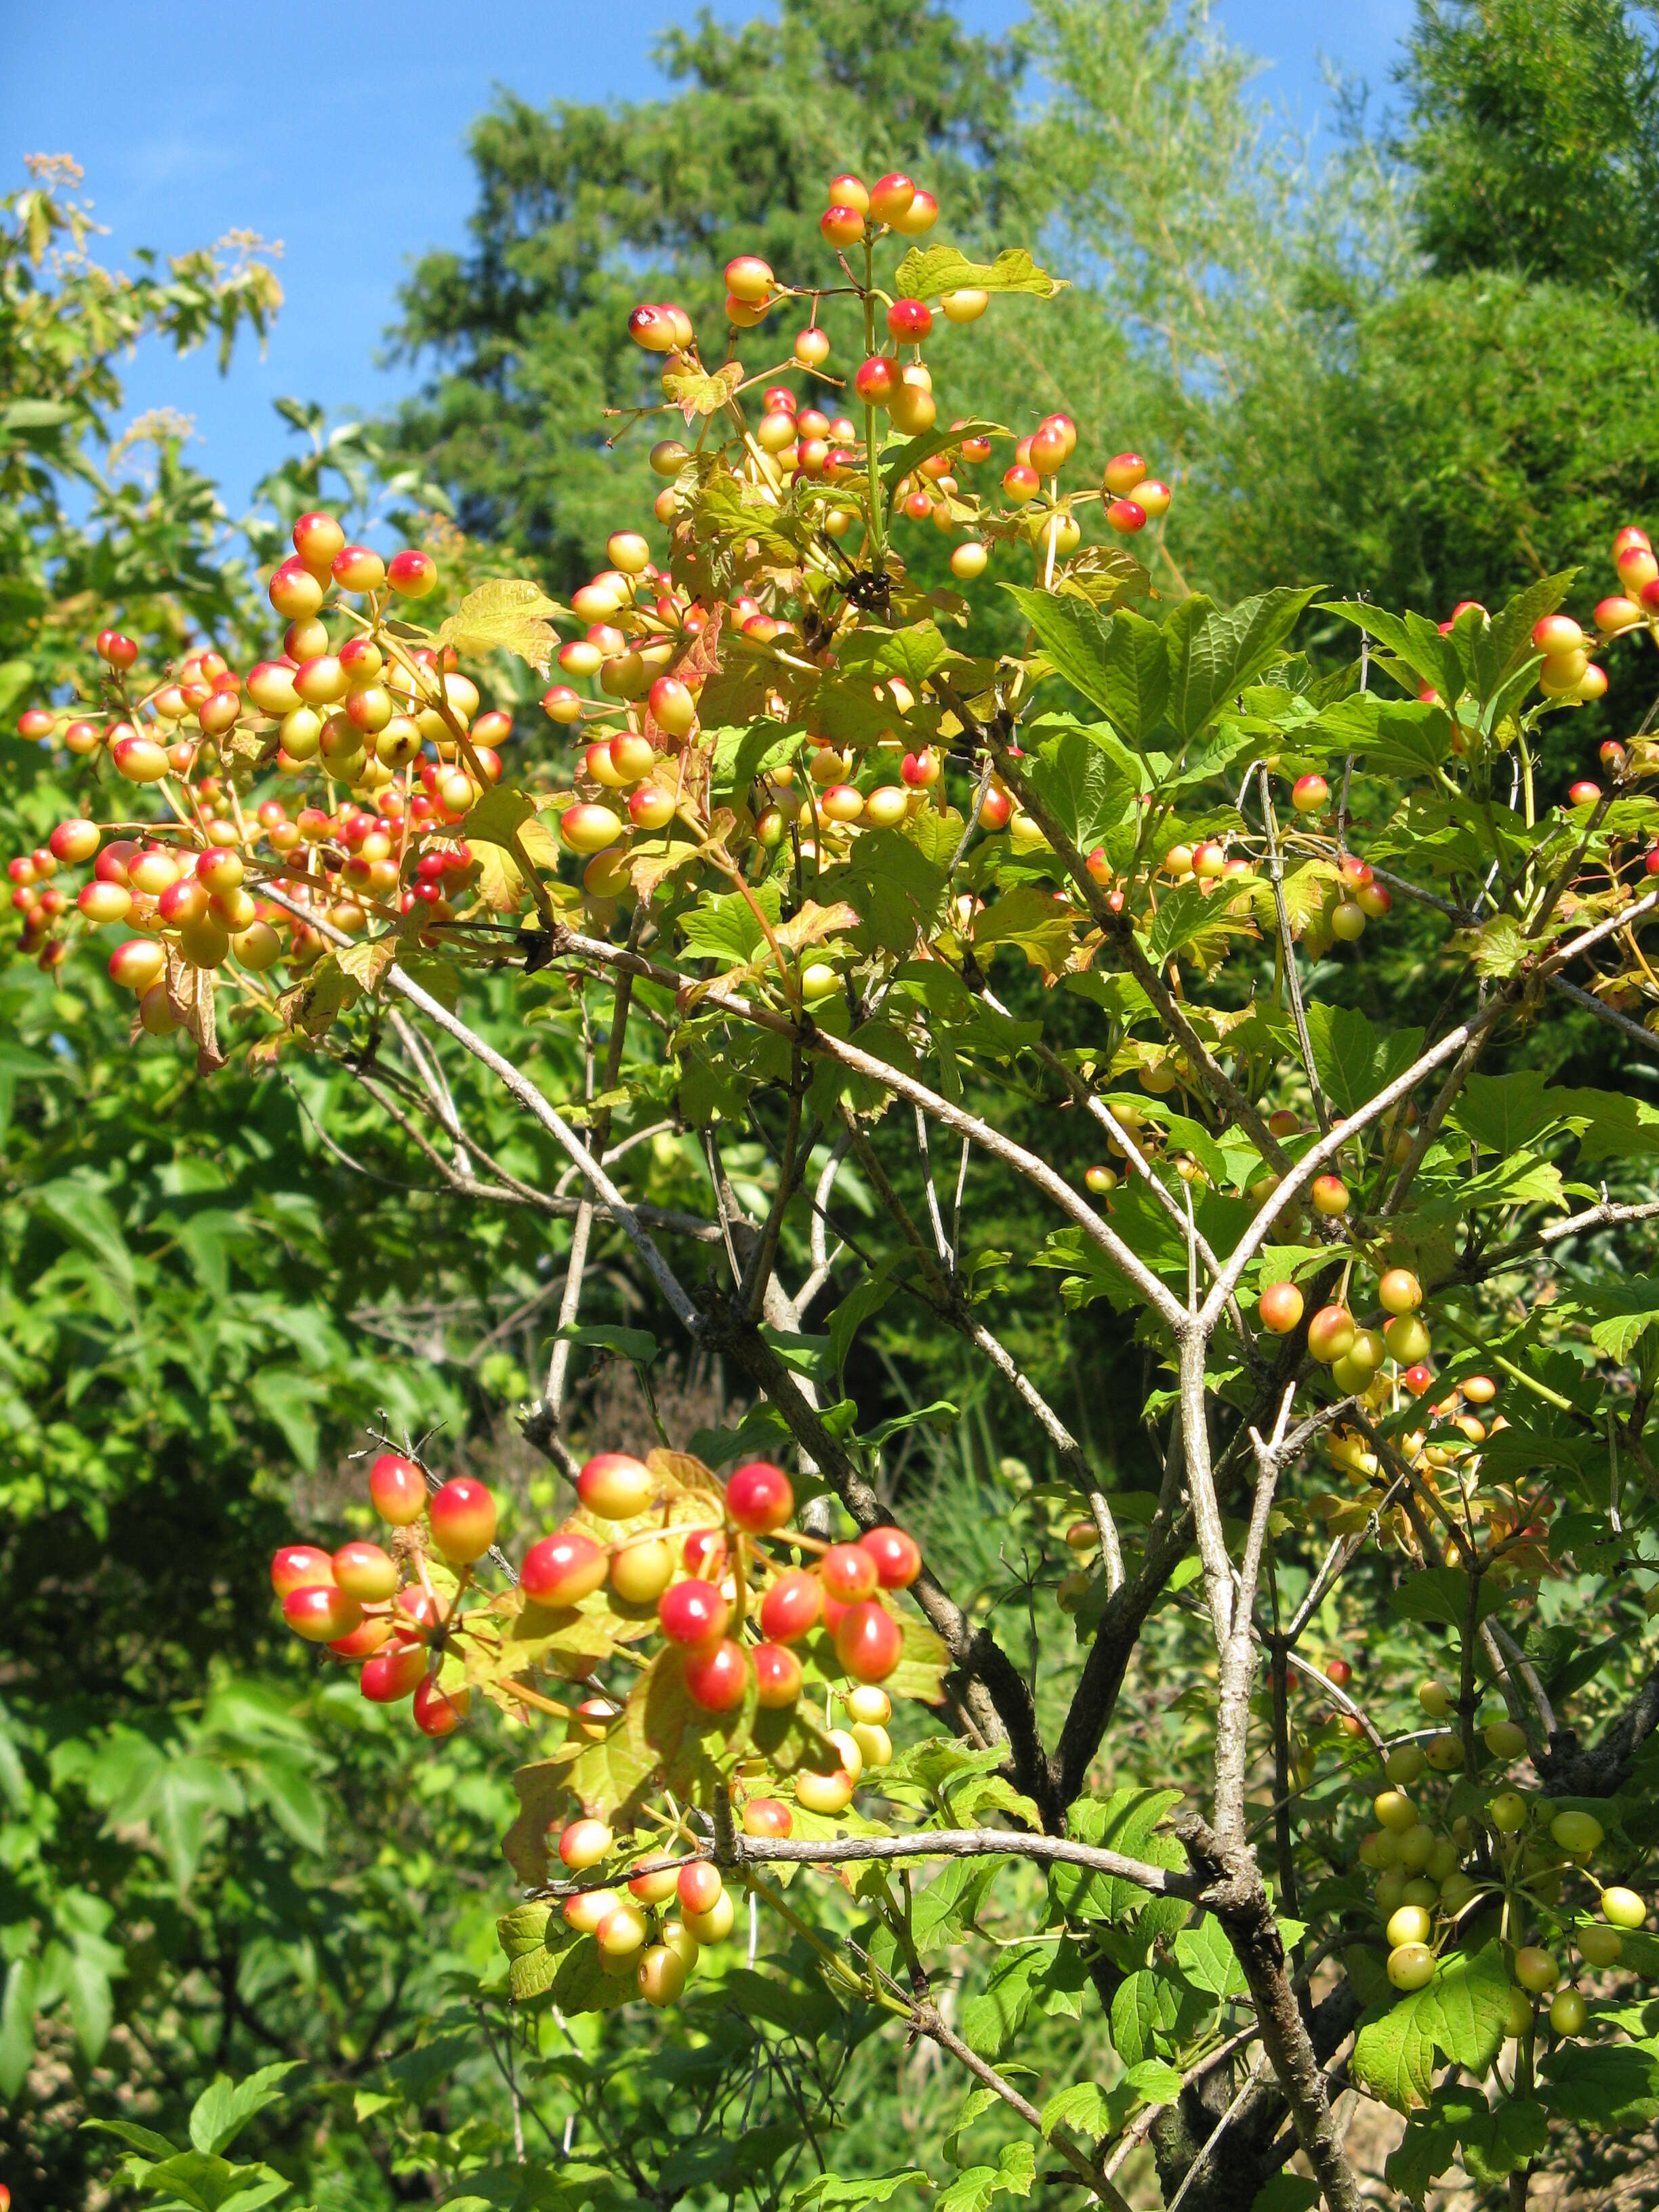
[[341, 134]]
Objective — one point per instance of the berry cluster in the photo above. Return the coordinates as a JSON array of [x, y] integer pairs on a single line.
[[1519, 1851], [210, 882], [730, 1608]]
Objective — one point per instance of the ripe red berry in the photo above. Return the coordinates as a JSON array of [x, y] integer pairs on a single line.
[[440, 1712], [778, 1676], [716, 1675], [1340, 1672], [874, 379], [1280, 1308], [1309, 794], [909, 320], [463, 1518], [849, 1573], [700, 1886], [759, 1497], [868, 1642], [321, 1612], [119, 652], [692, 1612], [792, 1608], [766, 1816], [412, 574], [897, 1557], [563, 1569], [398, 1488], [1583, 792], [300, 1566], [391, 1674]]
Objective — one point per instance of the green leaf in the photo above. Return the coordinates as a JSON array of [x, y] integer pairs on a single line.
[[205, 2184], [1287, 2192], [499, 815], [991, 2021], [1012, 2176], [224, 2109], [1206, 1957], [1126, 1822], [1501, 647], [898, 462], [635, 1344], [1087, 788], [1442, 1593], [1118, 661], [81, 1214], [1084, 2108], [1214, 653], [1603, 2085], [827, 2192], [1354, 1061], [17, 2025], [927, 271], [1503, 1112], [723, 927], [1461, 2013], [1145, 2004]]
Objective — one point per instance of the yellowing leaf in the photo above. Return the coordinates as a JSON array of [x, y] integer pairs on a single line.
[[696, 395], [924, 274], [366, 962], [505, 617], [814, 923]]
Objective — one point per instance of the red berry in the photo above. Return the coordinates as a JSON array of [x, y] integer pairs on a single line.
[[849, 1573], [717, 1676], [391, 1674], [777, 1675], [909, 320], [300, 1566], [321, 1612], [692, 1612], [792, 1608], [759, 1497], [463, 1518], [562, 1569], [397, 1489], [897, 1557], [868, 1642], [440, 1712], [371, 1632], [700, 1886], [766, 1816], [1340, 1672], [412, 574]]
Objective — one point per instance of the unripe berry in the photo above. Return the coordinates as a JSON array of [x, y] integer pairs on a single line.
[[301, 1566], [672, 707], [294, 591], [583, 1843], [640, 1572], [766, 1816], [1535, 1969], [74, 840], [1309, 794], [748, 279], [586, 829], [920, 216], [1624, 1907], [1331, 1333], [561, 704], [849, 1573], [1556, 634], [614, 1487], [317, 539]]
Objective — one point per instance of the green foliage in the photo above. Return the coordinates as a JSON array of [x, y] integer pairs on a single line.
[[1532, 127]]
